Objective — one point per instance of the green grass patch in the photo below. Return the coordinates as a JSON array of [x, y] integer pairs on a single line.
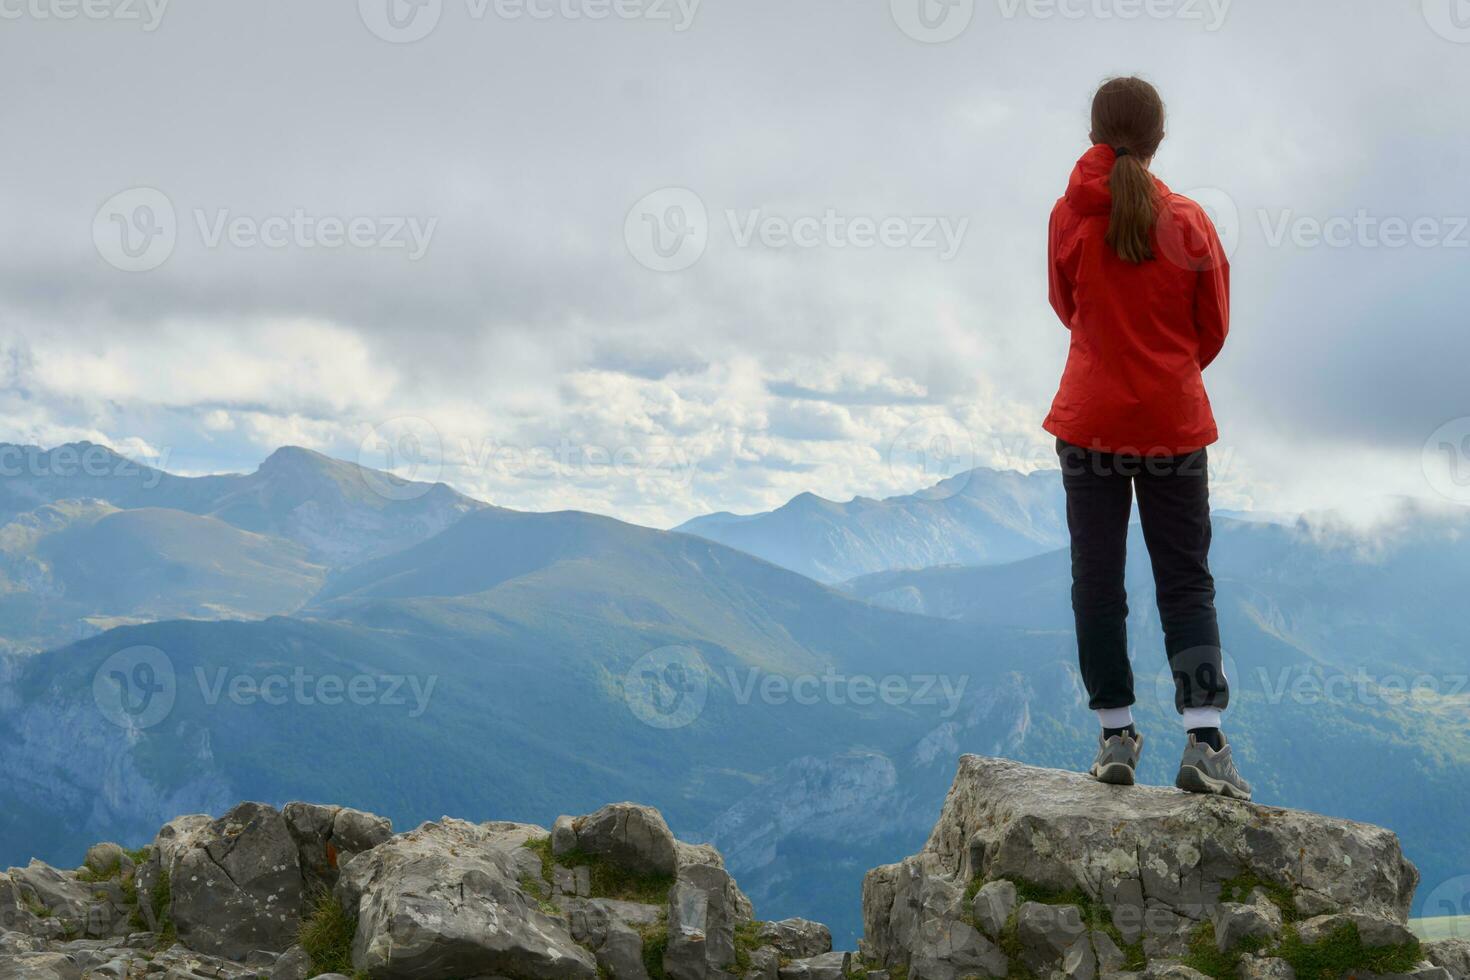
[[326, 936], [655, 944], [1205, 956], [160, 900], [611, 881], [1239, 888], [1342, 953], [541, 847], [747, 941], [110, 873], [1096, 916]]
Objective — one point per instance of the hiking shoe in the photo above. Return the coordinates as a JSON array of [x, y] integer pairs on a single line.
[[1203, 770], [1117, 758]]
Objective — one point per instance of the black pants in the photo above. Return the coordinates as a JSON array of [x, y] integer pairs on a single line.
[[1174, 507]]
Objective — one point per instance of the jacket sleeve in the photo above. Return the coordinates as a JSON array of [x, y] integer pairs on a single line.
[[1212, 298], [1059, 286]]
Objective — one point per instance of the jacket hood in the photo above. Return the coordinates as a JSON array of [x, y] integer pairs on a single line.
[[1088, 191]]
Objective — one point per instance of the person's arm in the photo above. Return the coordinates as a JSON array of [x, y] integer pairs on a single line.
[[1212, 298], [1059, 287]]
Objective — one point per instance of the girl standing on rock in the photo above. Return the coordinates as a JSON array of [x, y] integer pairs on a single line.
[[1139, 277]]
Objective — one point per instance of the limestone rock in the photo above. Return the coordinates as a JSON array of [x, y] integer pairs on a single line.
[[327, 837], [38, 966], [628, 836], [236, 883], [827, 966], [796, 938], [1375, 931], [1064, 830], [293, 964], [1152, 859], [1236, 922], [445, 900], [1451, 954], [993, 905], [1265, 968]]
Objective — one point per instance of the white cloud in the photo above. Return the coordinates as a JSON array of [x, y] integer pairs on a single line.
[[528, 325]]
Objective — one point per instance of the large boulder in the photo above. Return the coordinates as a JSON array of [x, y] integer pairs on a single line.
[[705, 908], [796, 939], [446, 900], [40, 900], [327, 837], [628, 836], [235, 882], [1452, 955], [1154, 862]]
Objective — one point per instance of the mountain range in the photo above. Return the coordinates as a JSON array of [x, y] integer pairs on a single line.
[[90, 539], [446, 656], [978, 517]]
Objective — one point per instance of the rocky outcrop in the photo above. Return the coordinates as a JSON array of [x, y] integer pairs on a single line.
[[286, 894], [1029, 874], [1053, 873]]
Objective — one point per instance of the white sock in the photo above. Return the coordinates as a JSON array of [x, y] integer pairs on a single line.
[[1202, 718], [1115, 717]]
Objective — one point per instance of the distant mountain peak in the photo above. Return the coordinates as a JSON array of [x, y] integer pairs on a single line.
[[981, 516], [295, 458]]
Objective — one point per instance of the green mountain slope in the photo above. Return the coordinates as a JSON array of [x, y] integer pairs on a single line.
[[78, 567]]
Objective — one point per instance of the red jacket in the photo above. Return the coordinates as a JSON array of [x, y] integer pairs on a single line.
[[1141, 334]]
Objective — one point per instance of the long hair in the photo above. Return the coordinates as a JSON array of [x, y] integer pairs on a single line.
[[1128, 115]]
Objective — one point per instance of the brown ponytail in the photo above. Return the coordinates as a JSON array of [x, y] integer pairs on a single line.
[[1128, 115]]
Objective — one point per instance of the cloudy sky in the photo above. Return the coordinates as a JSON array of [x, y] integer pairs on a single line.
[[655, 258]]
